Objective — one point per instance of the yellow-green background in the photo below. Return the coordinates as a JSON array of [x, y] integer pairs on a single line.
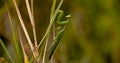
[[92, 36]]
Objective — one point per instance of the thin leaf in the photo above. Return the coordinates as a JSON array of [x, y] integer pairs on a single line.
[[31, 16], [30, 13], [45, 49], [51, 23], [6, 51], [52, 13], [53, 8], [34, 31], [17, 48], [55, 43], [24, 53], [23, 26]]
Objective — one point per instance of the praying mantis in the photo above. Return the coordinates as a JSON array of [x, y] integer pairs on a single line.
[[61, 26]]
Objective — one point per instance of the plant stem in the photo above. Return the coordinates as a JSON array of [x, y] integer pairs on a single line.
[[45, 49], [17, 48], [24, 28], [51, 23]]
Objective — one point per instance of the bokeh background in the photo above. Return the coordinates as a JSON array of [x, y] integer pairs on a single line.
[[92, 36]]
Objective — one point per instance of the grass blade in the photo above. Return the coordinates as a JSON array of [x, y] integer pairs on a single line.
[[51, 23], [53, 27], [24, 28], [31, 16], [45, 49], [55, 43], [30, 13], [6, 51], [53, 8], [17, 48], [24, 53], [34, 30]]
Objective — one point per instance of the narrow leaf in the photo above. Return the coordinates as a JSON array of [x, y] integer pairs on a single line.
[[19, 53], [24, 53], [6, 51], [55, 43], [51, 23]]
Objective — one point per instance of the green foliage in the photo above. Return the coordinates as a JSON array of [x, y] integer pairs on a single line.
[[22, 57], [92, 35]]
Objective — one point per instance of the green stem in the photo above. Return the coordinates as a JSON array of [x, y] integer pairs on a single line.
[[51, 23], [19, 53], [6, 51]]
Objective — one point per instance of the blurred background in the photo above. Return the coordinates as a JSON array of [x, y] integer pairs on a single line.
[[92, 36]]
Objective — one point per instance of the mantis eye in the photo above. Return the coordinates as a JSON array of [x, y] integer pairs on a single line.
[[68, 16]]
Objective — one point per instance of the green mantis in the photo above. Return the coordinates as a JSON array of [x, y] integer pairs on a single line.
[[61, 26], [57, 18]]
